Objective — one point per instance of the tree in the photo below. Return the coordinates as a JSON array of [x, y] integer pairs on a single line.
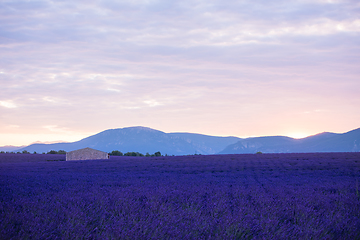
[[134, 154], [52, 152], [157, 154], [25, 152], [116, 153], [61, 152]]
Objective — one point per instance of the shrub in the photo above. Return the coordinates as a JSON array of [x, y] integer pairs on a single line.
[[134, 154], [52, 152], [116, 153]]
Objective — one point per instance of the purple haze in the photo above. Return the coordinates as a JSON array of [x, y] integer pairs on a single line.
[[272, 196]]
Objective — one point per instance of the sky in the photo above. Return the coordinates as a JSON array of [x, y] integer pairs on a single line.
[[70, 69]]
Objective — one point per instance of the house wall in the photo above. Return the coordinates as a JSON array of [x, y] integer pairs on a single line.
[[86, 154]]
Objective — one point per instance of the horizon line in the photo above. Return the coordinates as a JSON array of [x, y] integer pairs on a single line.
[[63, 141]]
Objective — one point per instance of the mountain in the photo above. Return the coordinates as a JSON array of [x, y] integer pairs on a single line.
[[10, 148], [345, 142], [205, 143], [143, 140], [276, 144], [323, 142]]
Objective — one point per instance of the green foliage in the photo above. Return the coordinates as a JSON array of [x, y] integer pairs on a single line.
[[52, 152], [25, 152], [116, 153], [56, 152], [2, 152], [259, 153], [134, 154]]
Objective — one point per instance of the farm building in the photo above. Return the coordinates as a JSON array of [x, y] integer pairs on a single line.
[[86, 154]]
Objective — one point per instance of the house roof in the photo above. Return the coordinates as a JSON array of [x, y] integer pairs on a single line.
[[87, 148]]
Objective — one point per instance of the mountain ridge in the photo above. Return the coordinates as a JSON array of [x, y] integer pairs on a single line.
[[322, 142], [142, 139], [147, 140]]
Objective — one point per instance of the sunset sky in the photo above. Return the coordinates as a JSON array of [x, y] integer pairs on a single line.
[[70, 69]]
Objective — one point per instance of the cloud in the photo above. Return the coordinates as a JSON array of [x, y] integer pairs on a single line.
[[57, 129], [190, 23], [82, 65], [152, 103], [8, 104], [13, 126]]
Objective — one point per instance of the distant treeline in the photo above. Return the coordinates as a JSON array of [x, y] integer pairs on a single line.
[[135, 154], [26, 152], [113, 153]]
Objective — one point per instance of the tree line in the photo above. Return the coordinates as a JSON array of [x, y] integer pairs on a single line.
[[27, 152], [135, 154], [113, 153]]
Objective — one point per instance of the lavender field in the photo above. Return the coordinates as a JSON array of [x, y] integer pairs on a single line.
[[250, 196]]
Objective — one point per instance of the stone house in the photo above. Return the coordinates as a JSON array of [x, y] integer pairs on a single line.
[[86, 154]]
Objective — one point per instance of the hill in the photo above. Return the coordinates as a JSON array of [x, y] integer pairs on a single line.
[[323, 142], [143, 140], [10, 148]]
